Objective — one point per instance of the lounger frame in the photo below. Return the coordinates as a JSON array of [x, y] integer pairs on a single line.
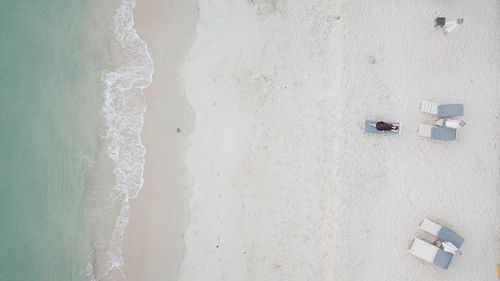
[[442, 232], [442, 110], [437, 133], [430, 253]]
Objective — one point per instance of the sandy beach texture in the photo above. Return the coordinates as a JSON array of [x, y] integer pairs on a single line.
[[154, 241], [285, 185]]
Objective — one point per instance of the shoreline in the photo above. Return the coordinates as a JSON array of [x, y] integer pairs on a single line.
[[154, 241], [121, 156]]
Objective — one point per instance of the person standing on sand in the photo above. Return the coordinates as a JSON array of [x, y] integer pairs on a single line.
[[449, 26]]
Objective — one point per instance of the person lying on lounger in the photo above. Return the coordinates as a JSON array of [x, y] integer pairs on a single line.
[[382, 126]]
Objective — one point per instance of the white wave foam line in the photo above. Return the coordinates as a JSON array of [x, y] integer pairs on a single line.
[[124, 113]]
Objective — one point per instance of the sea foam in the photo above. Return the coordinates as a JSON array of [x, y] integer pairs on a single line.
[[124, 110]]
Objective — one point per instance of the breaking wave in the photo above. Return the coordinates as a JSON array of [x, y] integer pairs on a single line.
[[123, 110]]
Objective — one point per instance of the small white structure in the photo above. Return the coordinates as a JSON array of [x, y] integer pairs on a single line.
[[449, 26], [450, 123]]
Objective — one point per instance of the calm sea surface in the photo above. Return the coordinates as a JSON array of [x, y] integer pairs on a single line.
[[52, 54]]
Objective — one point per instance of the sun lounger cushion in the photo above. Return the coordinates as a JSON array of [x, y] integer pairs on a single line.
[[443, 259], [442, 133], [424, 250], [430, 226], [450, 110], [429, 107], [447, 234]]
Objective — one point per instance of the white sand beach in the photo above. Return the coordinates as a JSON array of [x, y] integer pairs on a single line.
[[285, 185]]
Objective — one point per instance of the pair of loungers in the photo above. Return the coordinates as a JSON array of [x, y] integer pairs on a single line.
[[431, 253], [442, 111]]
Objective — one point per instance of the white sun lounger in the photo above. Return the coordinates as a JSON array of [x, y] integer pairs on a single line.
[[429, 107], [437, 133], [442, 110], [442, 232], [431, 253]]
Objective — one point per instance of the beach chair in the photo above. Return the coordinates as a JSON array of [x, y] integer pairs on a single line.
[[442, 232], [437, 133], [371, 129], [431, 253], [439, 21], [442, 110]]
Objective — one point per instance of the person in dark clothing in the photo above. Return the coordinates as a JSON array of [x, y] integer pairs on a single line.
[[382, 126]]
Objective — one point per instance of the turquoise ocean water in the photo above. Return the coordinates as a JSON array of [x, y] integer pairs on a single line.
[[71, 113], [57, 72]]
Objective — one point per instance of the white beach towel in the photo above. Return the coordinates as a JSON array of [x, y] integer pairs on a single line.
[[456, 124], [449, 26], [449, 247]]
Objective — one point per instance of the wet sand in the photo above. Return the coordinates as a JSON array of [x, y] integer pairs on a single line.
[[154, 241]]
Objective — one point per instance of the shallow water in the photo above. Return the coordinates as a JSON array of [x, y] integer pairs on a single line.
[[52, 54]]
